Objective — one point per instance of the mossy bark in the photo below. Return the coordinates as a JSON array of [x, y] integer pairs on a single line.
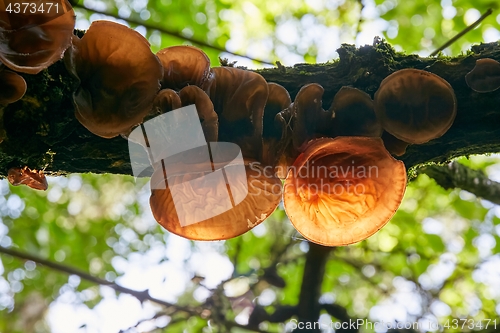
[[40, 130]]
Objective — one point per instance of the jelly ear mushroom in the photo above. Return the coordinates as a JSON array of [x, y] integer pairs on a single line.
[[209, 119], [415, 106], [12, 87], [394, 145], [32, 42], [25, 176], [119, 78], [485, 76], [307, 113], [239, 97], [353, 113], [185, 65], [343, 190], [212, 215]]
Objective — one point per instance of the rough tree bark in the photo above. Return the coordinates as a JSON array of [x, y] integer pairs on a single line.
[[41, 130]]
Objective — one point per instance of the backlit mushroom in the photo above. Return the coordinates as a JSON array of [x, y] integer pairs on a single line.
[[353, 114], [209, 120], [32, 178], [485, 76], [185, 65], [393, 144], [32, 41], [415, 106], [239, 97], [119, 78], [12, 87], [215, 207], [341, 191]]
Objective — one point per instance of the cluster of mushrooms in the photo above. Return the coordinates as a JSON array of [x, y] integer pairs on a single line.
[[290, 148]]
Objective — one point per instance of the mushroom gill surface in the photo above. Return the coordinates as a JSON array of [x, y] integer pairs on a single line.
[[341, 191], [415, 106], [485, 76], [31, 42], [119, 78], [25, 176]]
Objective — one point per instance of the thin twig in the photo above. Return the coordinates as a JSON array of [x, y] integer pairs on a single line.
[[140, 295], [172, 33], [463, 32]]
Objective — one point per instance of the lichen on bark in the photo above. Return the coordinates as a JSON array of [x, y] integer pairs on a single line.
[[42, 132]]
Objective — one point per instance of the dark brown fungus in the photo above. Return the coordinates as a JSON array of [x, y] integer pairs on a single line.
[[485, 76], [31, 42], [306, 112], [239, 97], [25, 176], [341, 191], [415, 106], [119, 78], [185, 65], [12, 86], [209, 120], [352, 110]]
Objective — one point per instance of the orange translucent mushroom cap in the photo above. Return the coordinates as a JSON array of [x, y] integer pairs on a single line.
[[12, 86], [415, 106], [185, 65], [341, 191], [252, 198], [119, 78], [25, 176], [485, 76], [32, 41]]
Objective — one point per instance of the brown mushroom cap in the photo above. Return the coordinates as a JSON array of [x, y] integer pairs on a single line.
[[394, 145], [25, 176], [239, 97], [306, 109], [264, 195], [341, 191], [209, 119], [12, 87], [415, 106], [485, 76], [119, 78], [32, 42], [353, 114], [185, 65]]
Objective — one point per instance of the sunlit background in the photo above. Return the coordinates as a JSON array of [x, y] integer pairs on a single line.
[[437, 259]]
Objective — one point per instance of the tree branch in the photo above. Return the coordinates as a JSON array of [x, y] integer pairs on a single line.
[[42, 131], [456, 175]]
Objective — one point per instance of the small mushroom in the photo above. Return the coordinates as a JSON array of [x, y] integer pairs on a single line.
[[485, 76], [32, 42], [343, 190], [119, 78], [415, 106], [352, 110], [275, 128], [239, 97], [12, 87], [306, 112], [202, 198], [209, 120], [185, 65], [32, 178], [393, 144]]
